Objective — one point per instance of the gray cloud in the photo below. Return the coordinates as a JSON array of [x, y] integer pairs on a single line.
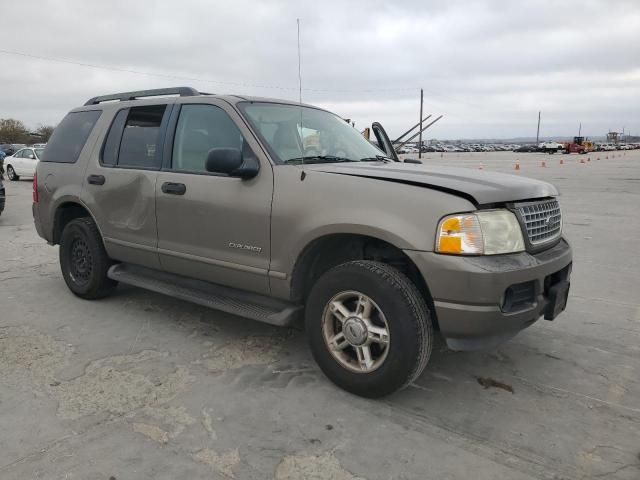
[[487, 65]]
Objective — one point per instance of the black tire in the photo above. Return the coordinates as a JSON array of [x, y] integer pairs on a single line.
[[84, 261], [408, 320], [11, 173]]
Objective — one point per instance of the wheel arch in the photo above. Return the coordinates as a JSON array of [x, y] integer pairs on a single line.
[[328, 251], [64, 213]]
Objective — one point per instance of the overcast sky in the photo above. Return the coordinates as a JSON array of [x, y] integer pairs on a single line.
[[488, 66]]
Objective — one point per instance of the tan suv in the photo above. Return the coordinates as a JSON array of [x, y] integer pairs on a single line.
[[273, 210]]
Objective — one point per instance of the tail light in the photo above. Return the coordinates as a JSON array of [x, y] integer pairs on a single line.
[[35, 188]]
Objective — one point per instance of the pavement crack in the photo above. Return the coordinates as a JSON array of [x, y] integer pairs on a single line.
[[617, 470]]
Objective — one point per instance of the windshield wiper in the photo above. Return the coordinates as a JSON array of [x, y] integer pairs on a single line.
[[377, 158], [319, 159]]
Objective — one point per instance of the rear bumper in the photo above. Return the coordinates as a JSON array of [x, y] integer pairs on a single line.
[[474, 304]]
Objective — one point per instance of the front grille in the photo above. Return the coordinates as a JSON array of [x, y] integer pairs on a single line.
[[543, 220]]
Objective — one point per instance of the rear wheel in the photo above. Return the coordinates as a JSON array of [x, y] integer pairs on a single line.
[[84, 261], [369, 328], [11, 173]]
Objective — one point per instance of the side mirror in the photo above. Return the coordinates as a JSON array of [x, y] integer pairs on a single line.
[[230, 161]]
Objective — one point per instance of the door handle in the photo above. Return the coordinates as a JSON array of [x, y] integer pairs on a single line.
[[174, 188], [96, 179]]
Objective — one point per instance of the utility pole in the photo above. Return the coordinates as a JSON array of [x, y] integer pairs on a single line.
[[538, 132], [580, 129], [420, 141]]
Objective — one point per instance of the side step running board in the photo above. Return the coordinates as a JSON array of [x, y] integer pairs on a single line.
[[230, 300]]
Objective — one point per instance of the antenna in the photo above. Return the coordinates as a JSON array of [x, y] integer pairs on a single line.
[[300, 95], [299, 65]]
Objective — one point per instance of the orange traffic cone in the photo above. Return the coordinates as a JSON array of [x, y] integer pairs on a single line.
[[582, 160], [561, 161], [543, 164], [588, 159], [517, 165]]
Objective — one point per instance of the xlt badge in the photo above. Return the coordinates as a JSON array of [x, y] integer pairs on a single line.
[[242, 246]]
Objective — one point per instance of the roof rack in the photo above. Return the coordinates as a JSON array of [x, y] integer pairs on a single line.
[[181, 91]]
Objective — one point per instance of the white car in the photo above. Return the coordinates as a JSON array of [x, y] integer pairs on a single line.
[[551, 147], [22, 163]]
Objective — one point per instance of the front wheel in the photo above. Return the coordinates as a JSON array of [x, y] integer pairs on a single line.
[[369, 328], [84, 261], [11, 173]]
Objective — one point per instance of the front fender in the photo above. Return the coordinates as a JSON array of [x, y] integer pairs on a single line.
[[318, 204]]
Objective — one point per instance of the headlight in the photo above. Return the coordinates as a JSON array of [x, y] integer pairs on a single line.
[[488, 232]]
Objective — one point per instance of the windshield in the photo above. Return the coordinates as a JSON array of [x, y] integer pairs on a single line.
[[296, 134]]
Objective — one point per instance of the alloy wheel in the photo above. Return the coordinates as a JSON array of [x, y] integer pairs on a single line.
[[356, 331]]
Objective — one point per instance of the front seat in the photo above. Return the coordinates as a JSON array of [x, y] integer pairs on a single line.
[[195, 147], [286, 142]]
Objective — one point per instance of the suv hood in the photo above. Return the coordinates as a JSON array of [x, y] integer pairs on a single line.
[[480, 187]]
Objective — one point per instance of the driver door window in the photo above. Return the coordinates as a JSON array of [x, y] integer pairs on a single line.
[[201, 128]]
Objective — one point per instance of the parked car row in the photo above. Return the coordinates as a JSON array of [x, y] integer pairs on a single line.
[[547, 147], [552, 147], [607, 147], [11, 148], [460, 147]]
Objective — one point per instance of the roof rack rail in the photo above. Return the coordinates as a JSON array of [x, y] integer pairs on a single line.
[[181, 91]]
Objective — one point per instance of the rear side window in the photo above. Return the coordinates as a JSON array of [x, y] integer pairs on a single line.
[[112, 143], [134, 138], [69, 137], [140, 143]]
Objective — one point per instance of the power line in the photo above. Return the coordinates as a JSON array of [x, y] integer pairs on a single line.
[[138, 72], [195, 79]]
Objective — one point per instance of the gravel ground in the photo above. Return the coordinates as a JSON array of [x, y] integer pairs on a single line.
[[142, 386]]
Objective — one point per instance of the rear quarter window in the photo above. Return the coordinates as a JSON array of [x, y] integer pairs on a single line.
[[69, 137]]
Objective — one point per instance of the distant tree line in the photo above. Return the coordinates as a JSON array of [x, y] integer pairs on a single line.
[[14, 131]]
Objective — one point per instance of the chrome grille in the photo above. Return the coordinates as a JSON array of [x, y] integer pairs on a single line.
[[543, 220]]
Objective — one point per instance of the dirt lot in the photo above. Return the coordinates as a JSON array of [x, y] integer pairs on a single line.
[[142, 386]]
